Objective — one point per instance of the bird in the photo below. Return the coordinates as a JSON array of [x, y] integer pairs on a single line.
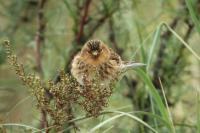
[[99, 64]]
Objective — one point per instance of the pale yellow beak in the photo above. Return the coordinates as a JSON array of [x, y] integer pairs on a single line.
[[95, 53]]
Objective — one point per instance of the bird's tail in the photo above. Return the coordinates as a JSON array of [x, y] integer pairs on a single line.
[[130, 65]]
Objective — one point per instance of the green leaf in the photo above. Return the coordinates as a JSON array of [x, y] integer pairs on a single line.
[[193, 15], [156, 96], [152, 49], [118, 116], [182, 41]]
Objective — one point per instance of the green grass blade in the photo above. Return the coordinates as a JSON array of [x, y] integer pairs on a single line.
[[16, 105], [137, 119], [182, 41], [157, 117], [105, 122], [154, 93], [160, 119], [152, 49], [142, 51], [120, 115], [108, 129], [193, 15], [166, 104], [22, 125], [176, 35], [153, 111], [198, 112]]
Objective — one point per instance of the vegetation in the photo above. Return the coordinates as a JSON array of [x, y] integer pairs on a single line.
[[40, 37]]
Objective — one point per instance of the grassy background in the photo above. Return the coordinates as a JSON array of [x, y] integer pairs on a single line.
[[162, 34]]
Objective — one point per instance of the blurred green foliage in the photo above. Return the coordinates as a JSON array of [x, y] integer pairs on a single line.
[[133, 29], [2, 55]]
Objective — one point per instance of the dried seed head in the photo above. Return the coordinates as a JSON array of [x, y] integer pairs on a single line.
[[68, 92]]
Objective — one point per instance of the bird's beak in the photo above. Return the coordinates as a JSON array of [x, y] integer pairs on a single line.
[[95, 53]]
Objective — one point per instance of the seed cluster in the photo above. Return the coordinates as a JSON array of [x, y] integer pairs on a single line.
[[68, 92]]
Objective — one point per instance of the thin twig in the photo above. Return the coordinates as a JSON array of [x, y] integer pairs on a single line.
[[83, 20], [99, 23], [39, 39], [44, 122], [112, 37]]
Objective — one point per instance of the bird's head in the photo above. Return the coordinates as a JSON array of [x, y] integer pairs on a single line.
[[95, 52]]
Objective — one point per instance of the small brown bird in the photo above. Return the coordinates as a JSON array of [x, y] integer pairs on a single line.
[[98, 62]]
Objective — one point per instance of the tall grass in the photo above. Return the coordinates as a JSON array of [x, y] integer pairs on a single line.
[[160, 110], [193, 14], [198, 111]]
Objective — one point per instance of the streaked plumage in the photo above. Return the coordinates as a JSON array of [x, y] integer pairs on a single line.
[[97, 62]]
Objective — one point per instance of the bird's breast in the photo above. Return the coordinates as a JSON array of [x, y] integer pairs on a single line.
[[102, 73]]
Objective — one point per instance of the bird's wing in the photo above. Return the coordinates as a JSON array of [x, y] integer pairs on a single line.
[[115, 57], [125, 65]]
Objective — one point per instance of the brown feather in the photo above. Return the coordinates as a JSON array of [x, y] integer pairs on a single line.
[[105, 65]]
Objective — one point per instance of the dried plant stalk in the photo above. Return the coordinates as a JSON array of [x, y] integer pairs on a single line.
[[92, 97]]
